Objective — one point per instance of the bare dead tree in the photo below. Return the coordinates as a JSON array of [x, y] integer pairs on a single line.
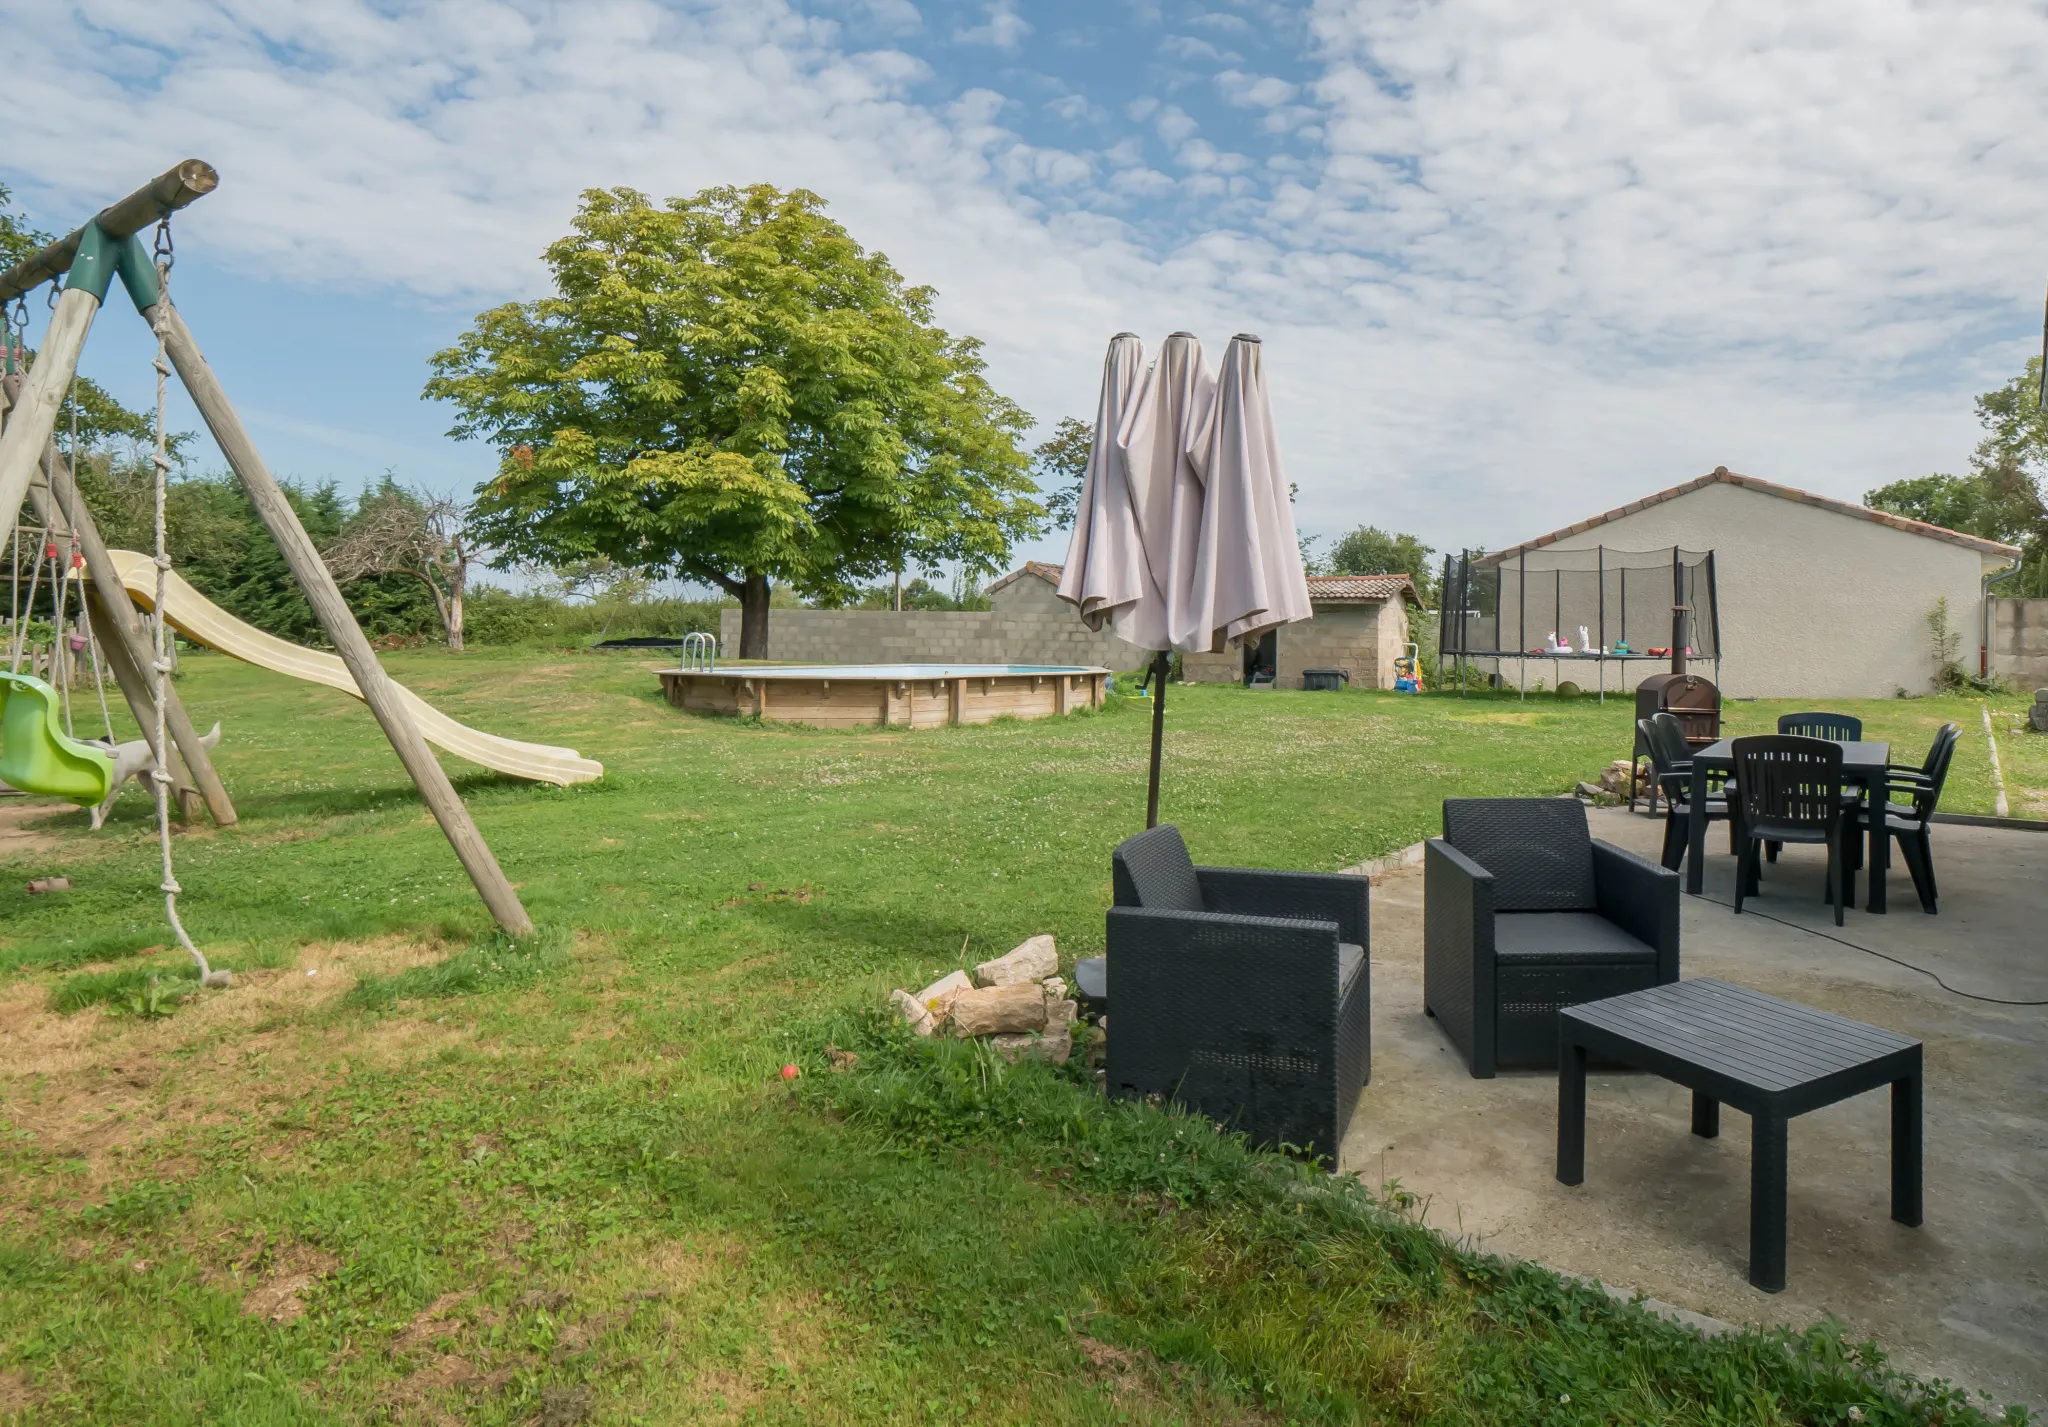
[[400, 531]]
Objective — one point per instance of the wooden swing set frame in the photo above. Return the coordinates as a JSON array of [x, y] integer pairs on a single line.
[[88, 260]]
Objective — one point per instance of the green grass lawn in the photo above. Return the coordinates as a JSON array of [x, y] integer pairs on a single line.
[[407, 1171]]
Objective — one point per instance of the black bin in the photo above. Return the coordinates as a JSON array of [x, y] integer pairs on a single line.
[[1327, 680]]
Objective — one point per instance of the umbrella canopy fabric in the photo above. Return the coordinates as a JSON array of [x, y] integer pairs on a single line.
[[1166, 486], [1105, 573], [1247, 570]]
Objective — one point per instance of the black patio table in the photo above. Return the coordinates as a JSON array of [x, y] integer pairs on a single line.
[[1863, 765], [1769, 1058]]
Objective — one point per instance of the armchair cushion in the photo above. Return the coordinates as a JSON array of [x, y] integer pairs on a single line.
[[1350, 957], [1578, 937], [1539, 850], [1153, 870]]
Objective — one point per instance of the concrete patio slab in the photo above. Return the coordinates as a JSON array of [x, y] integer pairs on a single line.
[[1964, 1297]]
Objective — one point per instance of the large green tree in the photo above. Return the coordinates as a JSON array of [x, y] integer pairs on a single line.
[[2002, 498], [728, 388]]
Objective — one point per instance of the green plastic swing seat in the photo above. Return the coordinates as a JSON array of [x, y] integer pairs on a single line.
[[35, 755]]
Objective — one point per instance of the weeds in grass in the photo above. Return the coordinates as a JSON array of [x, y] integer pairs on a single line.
[[140, 991], [493, 962], [143, 1204]]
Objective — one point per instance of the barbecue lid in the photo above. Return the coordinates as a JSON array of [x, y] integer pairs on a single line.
[[1681, 691]]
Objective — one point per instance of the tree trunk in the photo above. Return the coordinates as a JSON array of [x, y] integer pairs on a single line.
[[455, 620], [754, 616]]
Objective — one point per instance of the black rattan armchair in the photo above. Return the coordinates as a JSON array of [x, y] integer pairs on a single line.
[[1241, 993], [1524, 914]]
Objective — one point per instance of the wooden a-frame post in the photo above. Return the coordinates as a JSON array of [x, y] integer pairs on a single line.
[[102, 252]]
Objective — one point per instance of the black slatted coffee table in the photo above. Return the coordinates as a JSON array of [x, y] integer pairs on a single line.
[[1768, 1058]]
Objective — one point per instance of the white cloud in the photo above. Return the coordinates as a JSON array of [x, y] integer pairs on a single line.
[[1188, 48], [1550, 259], [1074, 108], [1255, 91], [1174, 124], [1003, 28]]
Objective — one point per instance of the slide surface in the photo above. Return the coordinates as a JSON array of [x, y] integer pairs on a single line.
[[204, 622]]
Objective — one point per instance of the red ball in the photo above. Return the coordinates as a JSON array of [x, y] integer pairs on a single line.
[[790, 1072]]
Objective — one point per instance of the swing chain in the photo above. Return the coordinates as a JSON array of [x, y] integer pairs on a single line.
[[161, 248]]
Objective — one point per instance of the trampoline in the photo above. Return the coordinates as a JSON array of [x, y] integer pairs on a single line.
[[1593, 606]]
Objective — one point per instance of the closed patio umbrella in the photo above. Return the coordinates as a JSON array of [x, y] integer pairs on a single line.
[[1247, 558], [1105, 574], [1186, 489]]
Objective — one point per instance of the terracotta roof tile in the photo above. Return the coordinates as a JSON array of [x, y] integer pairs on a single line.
[[1320, 587]]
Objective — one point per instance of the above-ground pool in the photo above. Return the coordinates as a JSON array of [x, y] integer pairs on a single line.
[[905, 695]]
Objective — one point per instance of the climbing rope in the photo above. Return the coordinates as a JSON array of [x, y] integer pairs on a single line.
[[160, 665]]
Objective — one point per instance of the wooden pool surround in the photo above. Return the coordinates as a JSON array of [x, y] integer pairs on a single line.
[[843, 702]]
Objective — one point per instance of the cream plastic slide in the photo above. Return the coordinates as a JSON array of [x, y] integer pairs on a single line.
[[204, 622]]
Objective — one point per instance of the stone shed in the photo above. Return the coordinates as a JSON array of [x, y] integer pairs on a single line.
[[1360, 626]]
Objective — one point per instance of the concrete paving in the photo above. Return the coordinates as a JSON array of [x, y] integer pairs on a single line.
[[1964, 1297]]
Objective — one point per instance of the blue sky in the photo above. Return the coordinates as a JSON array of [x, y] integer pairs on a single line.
[[1513, 264]]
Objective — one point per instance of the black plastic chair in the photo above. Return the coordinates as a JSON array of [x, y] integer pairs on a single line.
[[1790, 790], [1910, 824], [1835, 728], [1242, 993], [1524, 913], [1671, 762]]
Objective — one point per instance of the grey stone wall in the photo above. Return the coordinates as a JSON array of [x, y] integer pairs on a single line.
[[2019, 641], [1341, 636], [1029, 624], [1360, 639]]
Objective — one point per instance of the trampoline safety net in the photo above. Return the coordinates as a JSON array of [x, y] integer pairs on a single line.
[[1510, 605]]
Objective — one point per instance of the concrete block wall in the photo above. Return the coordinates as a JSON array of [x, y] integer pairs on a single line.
[[1028, 625], [1341, 636], [2019, 641]]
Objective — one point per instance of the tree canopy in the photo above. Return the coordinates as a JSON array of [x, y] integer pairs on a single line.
[[728, 388], [2002, 496], [1369, 550], [1062, 464]]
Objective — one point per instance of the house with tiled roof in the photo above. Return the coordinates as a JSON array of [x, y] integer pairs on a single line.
[[1816, 597]]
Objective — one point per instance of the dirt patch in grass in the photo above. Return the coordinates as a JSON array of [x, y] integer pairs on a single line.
[[434, 1322], [16, 1395], [91, 1085], [278, 1296], [19, 835]]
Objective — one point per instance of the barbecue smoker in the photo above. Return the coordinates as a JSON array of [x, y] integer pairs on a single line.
[[1692, 699]]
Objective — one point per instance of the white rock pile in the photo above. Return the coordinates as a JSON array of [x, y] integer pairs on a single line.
[[1018, 1002]]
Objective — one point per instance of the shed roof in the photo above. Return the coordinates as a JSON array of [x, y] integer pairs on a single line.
[[1332, 589], [1721, 475]]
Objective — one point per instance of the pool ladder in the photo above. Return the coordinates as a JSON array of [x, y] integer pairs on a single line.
[[700, 651]]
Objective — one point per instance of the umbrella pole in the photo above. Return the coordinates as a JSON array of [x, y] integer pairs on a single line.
[[1160, 666]]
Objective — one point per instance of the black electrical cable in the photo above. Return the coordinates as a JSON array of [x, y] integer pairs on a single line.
[[1881, 956]]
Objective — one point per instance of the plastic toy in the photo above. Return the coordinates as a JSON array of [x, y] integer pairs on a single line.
[[1408, 671]]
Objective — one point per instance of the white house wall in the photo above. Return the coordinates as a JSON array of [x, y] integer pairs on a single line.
[[1813, 603]]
